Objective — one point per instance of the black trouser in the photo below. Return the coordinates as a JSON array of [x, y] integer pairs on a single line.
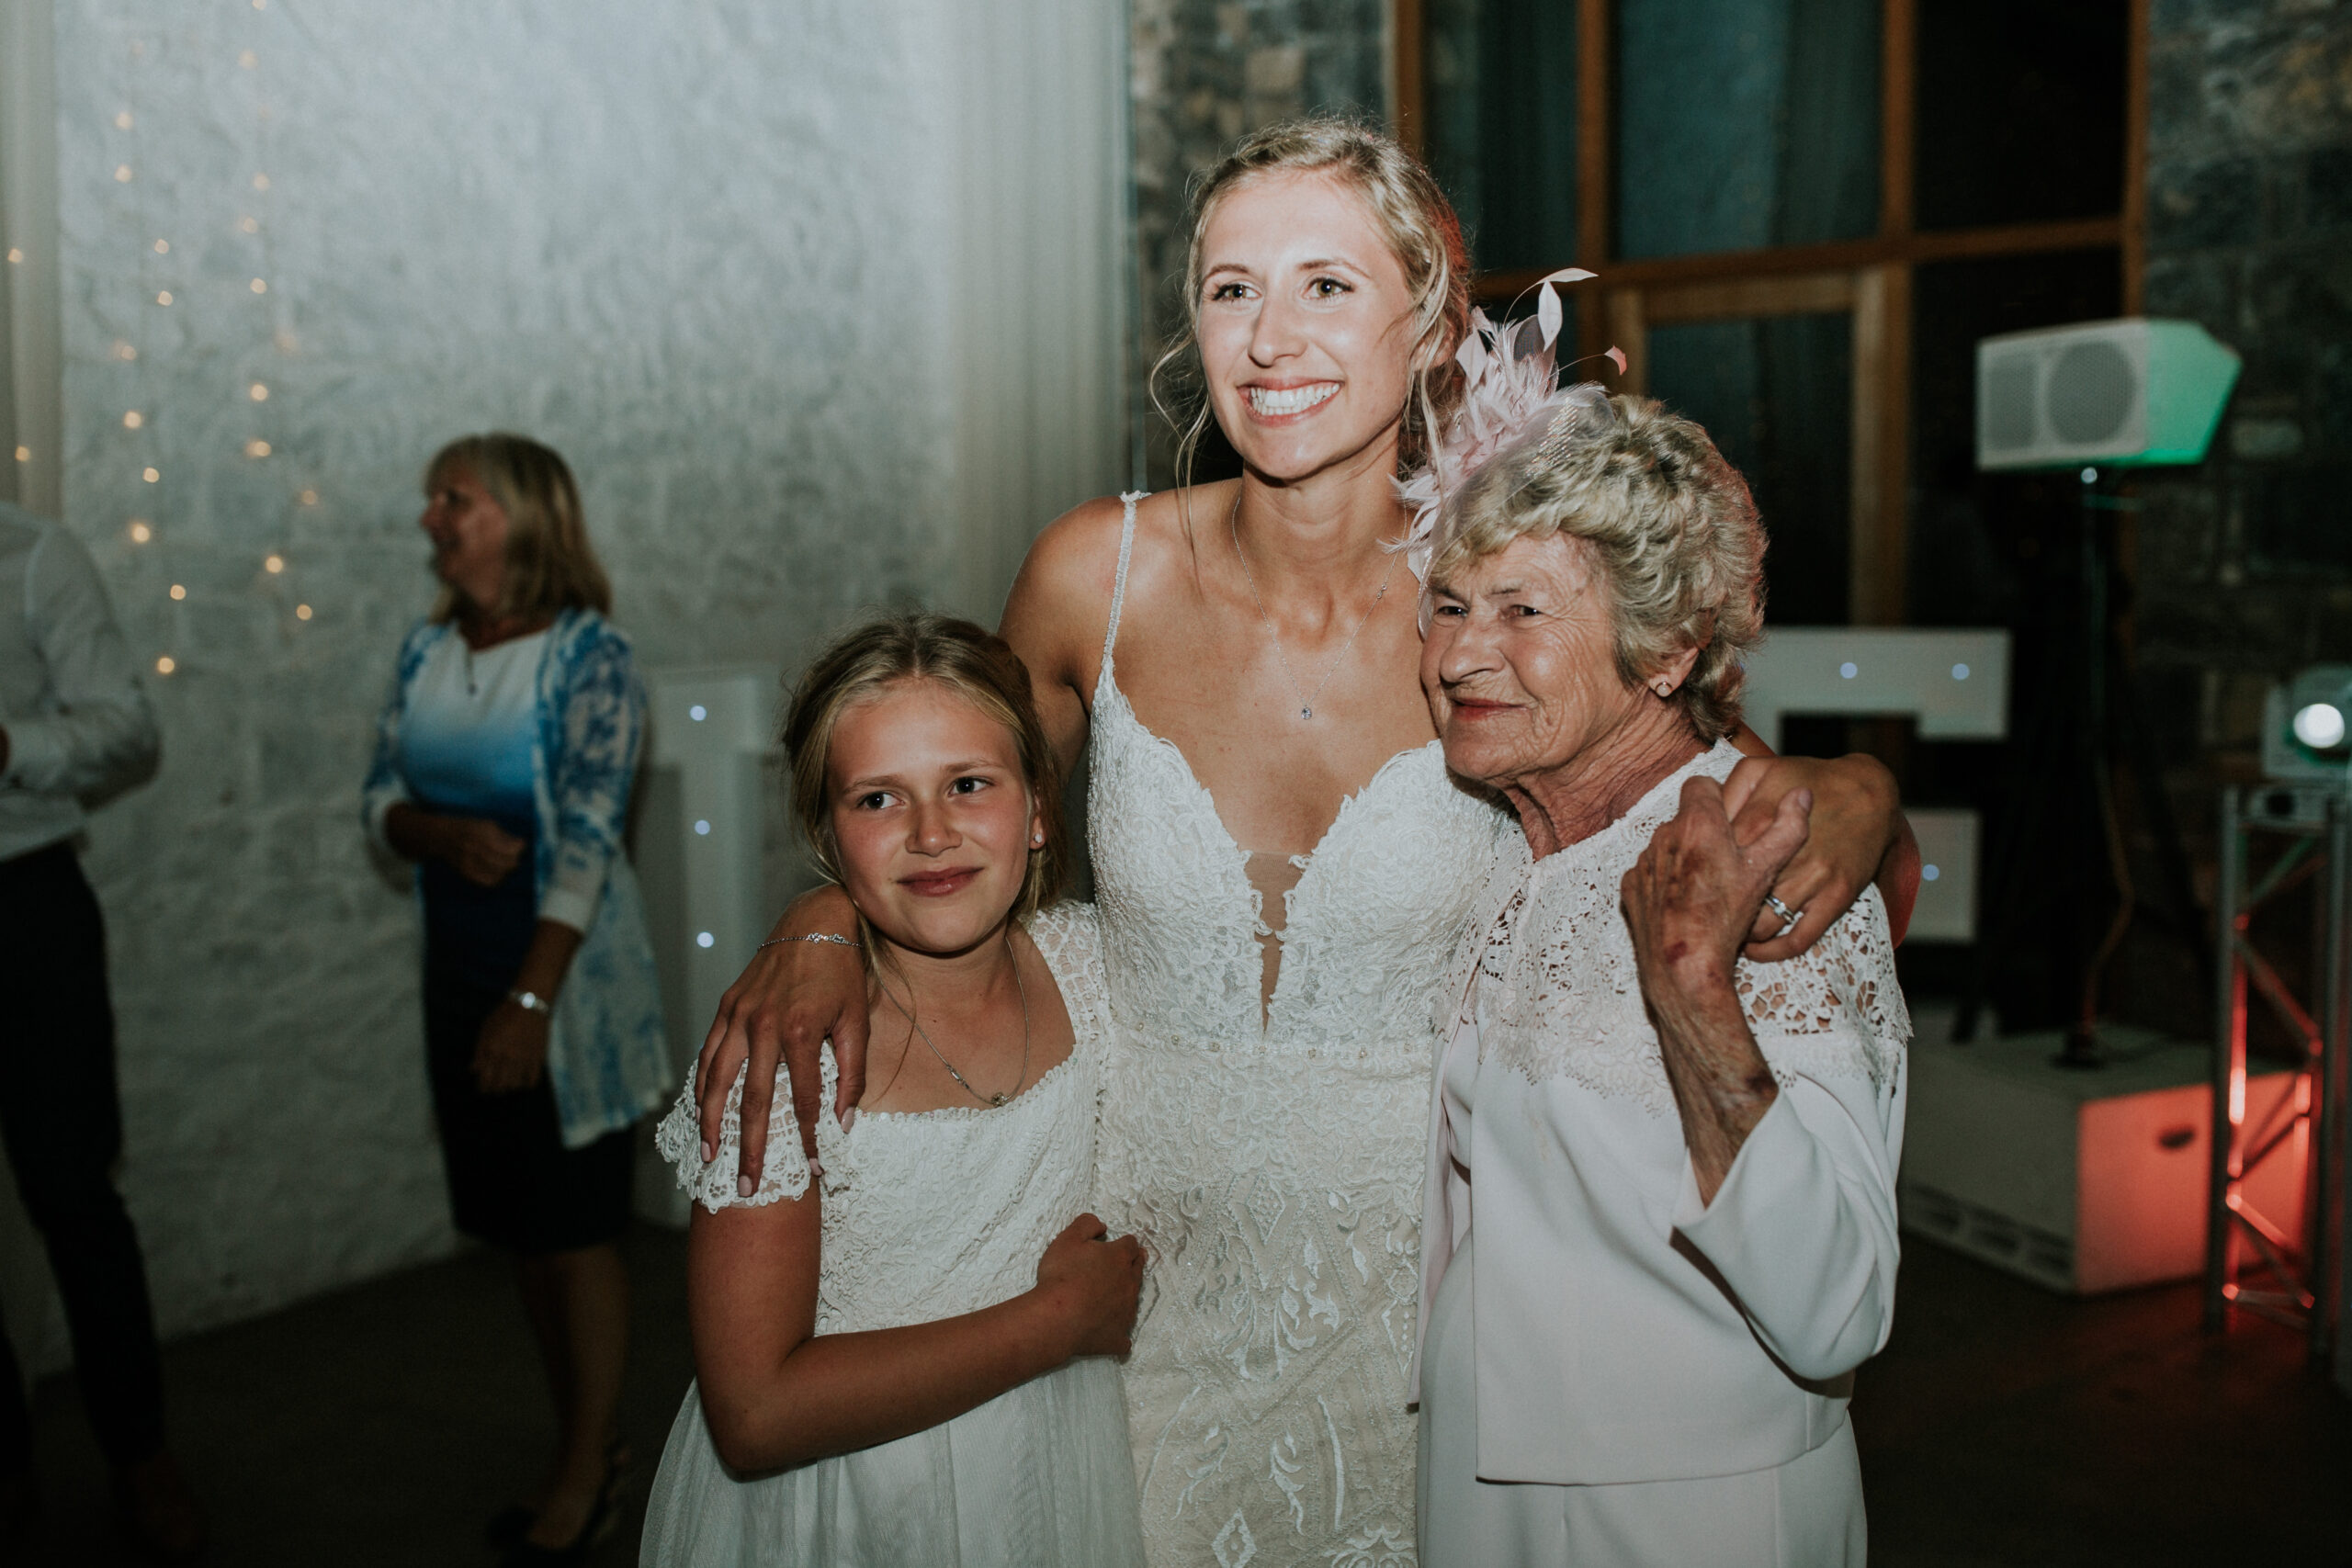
[[62, 1122]]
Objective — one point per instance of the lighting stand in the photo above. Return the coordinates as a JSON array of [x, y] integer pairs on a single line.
[[2253, 1260], [2068, 786]]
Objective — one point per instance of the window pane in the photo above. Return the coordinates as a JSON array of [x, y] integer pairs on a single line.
[[1501, 126], [2020, 110], [1777, 395], [1745, 123]]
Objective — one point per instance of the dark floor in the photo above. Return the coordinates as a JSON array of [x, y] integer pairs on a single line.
[[376, 1427], [2003, 1425]]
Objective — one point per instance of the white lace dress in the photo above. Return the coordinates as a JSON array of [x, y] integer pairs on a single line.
[[1617, 1374], [1273, 1162], [927, 1215]]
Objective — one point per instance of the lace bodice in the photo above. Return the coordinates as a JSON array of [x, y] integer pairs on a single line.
[[1559, 996], [1181, 922], [929, 1215], [1271, 1161]]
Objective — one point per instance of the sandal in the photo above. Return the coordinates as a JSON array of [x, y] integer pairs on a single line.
[[604, 1520]]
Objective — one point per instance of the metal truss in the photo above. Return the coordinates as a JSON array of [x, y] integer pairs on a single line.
[[2252, 1262]]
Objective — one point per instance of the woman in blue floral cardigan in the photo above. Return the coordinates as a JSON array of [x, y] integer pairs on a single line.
[[502, 767]]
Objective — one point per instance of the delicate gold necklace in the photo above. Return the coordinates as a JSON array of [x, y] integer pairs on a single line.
[[1306, 698], [989, 1099]]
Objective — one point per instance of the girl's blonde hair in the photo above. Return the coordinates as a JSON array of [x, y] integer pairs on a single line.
[[1413, 216], [550, 565], [978, 667]]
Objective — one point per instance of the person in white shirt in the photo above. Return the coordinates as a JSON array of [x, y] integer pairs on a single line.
[[75, 732], [1660, 1228]]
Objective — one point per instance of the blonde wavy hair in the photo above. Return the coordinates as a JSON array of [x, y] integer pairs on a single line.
[[1413, 216], [550, 565], [976, 666], [1671, 526]]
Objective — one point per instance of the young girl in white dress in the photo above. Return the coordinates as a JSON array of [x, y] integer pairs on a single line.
[[903, 1350]]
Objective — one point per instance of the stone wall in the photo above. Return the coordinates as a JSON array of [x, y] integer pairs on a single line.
[[2245, 564], [698, 245], [1206, 73]]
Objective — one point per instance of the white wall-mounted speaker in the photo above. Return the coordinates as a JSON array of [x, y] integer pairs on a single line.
[[2127, 392]]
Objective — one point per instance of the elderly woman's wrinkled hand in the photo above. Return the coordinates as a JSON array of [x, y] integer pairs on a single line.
[[1692, 897]]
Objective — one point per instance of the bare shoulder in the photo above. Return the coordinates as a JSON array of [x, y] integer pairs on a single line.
[[1076, 556], [1060, 606]]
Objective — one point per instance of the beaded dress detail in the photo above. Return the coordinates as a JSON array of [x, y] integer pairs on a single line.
[[1270, 1152]]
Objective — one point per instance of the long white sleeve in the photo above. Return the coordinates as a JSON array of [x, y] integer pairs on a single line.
[[1803, 1228], [78, 726], [92, 736]]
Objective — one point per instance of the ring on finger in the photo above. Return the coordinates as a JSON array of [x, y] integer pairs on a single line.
[[1789, 918]]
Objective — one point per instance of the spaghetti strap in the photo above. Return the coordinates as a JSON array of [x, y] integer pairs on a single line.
[[1119, 585]]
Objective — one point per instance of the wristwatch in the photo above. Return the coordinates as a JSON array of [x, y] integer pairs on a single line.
[[531, 1001]]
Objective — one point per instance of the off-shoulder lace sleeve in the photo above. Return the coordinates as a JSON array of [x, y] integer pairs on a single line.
[[1837, 1008], [786, 1172]]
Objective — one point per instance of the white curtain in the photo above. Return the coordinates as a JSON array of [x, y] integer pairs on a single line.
[[1042, 280], [30, 392]]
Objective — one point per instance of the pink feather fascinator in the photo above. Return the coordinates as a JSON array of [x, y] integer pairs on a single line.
[[1511, 390]]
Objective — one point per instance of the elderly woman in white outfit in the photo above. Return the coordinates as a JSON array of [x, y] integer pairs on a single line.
[[1660, 1210]]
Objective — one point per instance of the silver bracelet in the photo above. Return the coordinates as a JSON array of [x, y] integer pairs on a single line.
[[812, 936]]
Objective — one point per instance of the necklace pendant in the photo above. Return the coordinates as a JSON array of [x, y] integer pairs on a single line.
[[1306, 713], [996, 1099]]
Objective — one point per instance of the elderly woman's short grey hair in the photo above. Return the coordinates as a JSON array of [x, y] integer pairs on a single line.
[[1672, 528]]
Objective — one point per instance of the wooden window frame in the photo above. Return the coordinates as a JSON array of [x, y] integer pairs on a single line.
[[1872, 276]]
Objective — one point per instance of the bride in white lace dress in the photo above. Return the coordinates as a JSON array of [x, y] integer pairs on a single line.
[[1281, 865]]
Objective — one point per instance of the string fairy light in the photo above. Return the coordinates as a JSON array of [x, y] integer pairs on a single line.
[[156, 271], [138, 529], [252, 222]]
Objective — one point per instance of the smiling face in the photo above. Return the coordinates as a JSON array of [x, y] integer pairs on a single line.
[[1305, 326], [933, 819], [1520, 664], [468, 531]]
